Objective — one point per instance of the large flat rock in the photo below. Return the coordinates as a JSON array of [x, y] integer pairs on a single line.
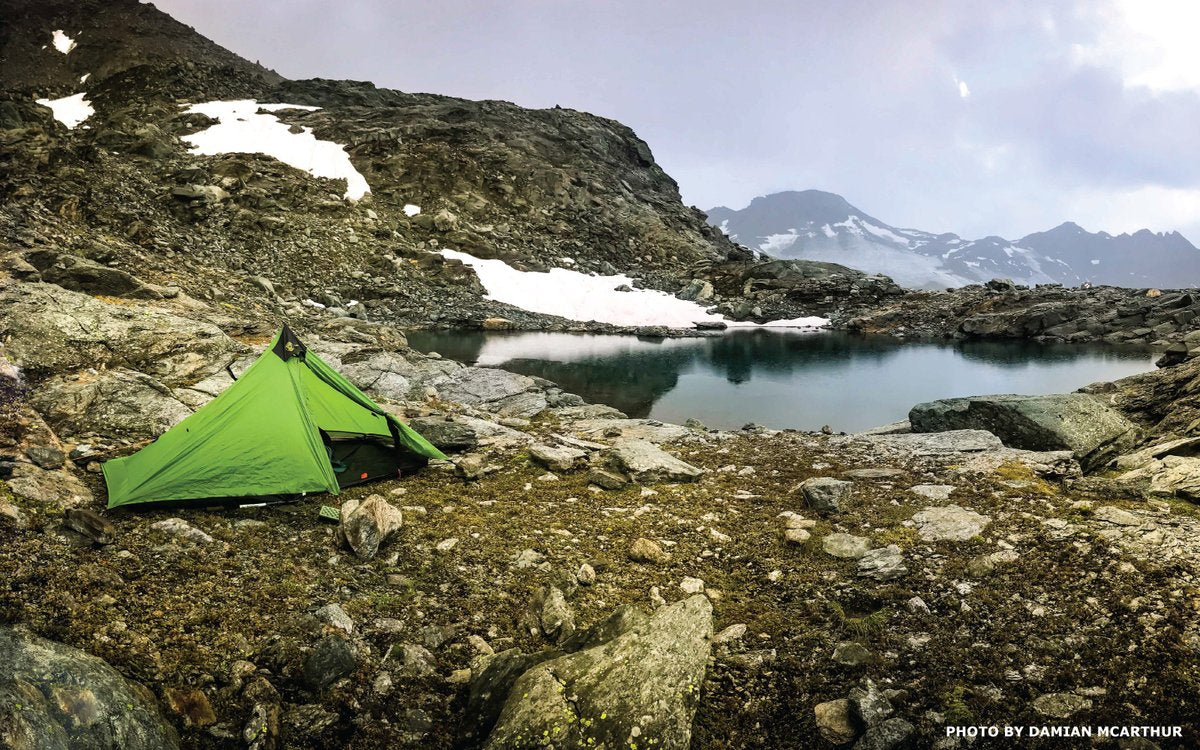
[[1079, 422]]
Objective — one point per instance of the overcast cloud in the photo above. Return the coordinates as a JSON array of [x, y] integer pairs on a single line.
[[972, 116]]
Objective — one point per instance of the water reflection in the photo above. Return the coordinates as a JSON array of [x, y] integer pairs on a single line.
[[783, 378]]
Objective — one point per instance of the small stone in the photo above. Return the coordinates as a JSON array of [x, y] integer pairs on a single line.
[[557, 458], [1060, 705], [797, 536], [833, 721], [887, 735], [793, 520], [182, 529], [334, 616], [1116, 516], [558, 621], [417, 660], [917, 606], [528, 558], [692, 585], [479, 644], [605, 479], [192, 705], [447, 544], [851, 654], [644, 550], [869, 705], [382, 684], [980, 566], [366, 526], [936, 492], [586, 575], [731, 633], [91, 525], [845, 546]]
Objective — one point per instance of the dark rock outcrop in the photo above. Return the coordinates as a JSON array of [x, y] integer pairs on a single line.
[[55, 697]]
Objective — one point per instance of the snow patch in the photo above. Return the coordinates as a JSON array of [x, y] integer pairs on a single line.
[[62, 42], [243, 127], [578, 296], [83, 78], [775, 244], [69, 110], [1095, 262], [411, 210]]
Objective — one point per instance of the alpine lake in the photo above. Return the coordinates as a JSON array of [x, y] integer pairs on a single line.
[[783, 378]]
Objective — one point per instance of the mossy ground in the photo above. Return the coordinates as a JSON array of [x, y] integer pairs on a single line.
[[1067, 615]]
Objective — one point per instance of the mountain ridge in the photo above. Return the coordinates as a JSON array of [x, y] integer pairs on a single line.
[[818, 225]]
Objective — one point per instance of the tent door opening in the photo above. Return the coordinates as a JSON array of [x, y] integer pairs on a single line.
[[357, 459]]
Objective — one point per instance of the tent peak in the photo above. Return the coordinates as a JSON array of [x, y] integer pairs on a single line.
[[288, 344]]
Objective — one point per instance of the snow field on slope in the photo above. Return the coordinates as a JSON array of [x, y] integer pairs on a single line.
[[578, 296], [69, 110], [243, 127]]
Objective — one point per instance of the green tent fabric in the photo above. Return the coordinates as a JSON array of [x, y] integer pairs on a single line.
[[263, 436]]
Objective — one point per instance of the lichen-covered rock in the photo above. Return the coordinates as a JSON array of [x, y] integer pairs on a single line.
[[366, 525], [1078, 422], [118, 404], [499, 391], [52, 330], [55, 697], [642, 687]]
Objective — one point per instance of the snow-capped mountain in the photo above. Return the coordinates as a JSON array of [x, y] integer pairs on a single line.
[[816, 225]]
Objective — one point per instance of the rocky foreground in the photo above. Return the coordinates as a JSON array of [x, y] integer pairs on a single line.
[[574, 578]]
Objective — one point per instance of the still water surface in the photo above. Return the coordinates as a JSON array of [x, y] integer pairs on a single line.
[[783, 378]]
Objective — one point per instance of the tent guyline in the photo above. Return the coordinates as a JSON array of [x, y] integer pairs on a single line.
[[291, 424]]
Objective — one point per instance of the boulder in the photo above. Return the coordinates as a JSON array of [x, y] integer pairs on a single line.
[[641, 687], [119, 404], [646, 462], [55, 696], [1079, 422], [366, 525], [52, 330], [825, 494]]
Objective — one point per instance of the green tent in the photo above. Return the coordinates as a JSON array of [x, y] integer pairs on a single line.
[[291, 424]]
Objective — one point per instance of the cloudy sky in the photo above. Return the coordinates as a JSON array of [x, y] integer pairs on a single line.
[[972, 116]]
